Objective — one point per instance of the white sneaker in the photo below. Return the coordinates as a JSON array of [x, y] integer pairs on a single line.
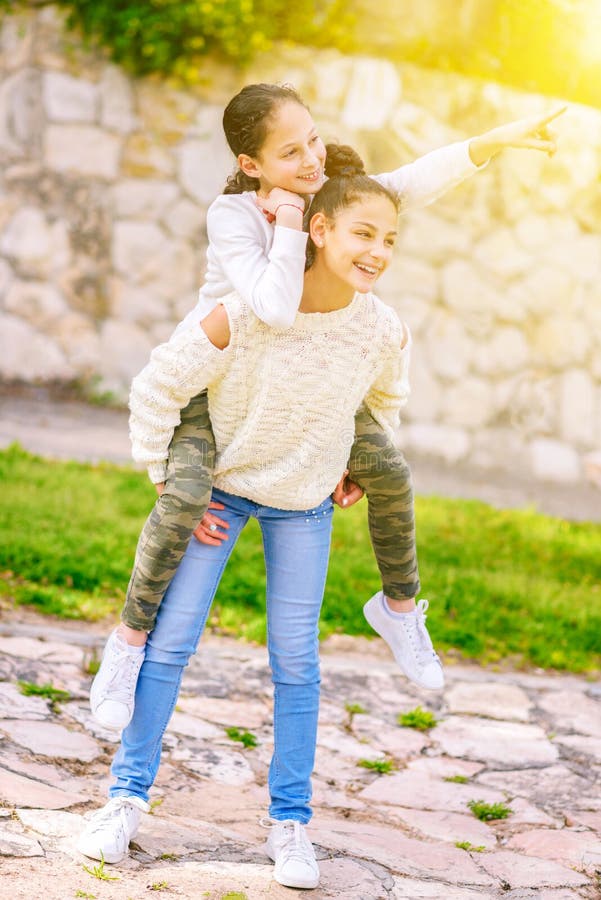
[[292, 852], [114, 687], [408, 638], [109, 831]]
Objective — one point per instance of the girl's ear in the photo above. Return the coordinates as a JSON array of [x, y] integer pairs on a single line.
[[317, 228], [249, 166]]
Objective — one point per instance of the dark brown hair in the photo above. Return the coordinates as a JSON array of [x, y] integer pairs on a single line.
[[347, 183], [246, 121]]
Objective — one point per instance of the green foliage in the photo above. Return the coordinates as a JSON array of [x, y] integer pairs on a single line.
[[159, 886], [487, 812], [501, 583], [234, 895], [100, 872], [355, 709], [382, 766], [421, 719], [457, 779], [55, 695], [244, 737], [466, 845], [80, 893], [171, 37]]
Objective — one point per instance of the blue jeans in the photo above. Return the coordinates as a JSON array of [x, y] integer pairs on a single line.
[[296, 545]]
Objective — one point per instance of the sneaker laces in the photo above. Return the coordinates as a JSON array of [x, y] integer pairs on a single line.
[[415, 628], [295, 845], [114, 809], [123, 676]]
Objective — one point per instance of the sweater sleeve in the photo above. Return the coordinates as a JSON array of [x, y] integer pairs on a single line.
[[176, 372], [272, 283], [390, 391], [423, 181]]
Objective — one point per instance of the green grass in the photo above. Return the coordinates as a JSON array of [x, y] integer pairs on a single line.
[[247, 738], [466, 845], [421, 719], [381, 766], [488, 812], [457, 779], [503, 584]]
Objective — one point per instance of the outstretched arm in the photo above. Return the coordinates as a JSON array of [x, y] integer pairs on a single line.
[[429, 177], [532, 133]]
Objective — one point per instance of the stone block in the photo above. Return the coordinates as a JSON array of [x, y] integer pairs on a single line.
[[49, 739], [69, 99], [370, 78], [425, 400], [116, 101], [518, 871], [505, 352], [28, 355], [501, 743], [573, 711], [469, 403], [142, 198], [125, 350], [442, 441], [17, 790], [21, 118], [203, 167], [186, 220], [448, 347], [560, 845], [491, 699], [577, 404], [37, 302], [416, 790], [552, 460], [500, 253], [82, 150], [559, 341], [143, 158], [16, 705], [13, 844], [428, 236]]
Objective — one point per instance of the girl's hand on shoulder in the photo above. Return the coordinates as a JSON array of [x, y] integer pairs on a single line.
[[283, 208], [346, 493], [532, 133], [207, 531]]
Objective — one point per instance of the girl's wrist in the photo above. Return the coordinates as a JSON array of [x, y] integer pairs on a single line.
[[289, 215]]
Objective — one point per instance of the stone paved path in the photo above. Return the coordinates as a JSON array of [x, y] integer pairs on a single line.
[[531, 741]]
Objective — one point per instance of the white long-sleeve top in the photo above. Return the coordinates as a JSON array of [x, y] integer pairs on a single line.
[[282, 401], [265, 264]]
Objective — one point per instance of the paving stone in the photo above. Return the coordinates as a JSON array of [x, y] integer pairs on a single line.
[[521, 871], [348, 878], [411, 889], [573, 710], [50, 774], [18, 845], [445, 826], [525, 813], [504, 743], [16, 705], [444, 766], [81, 713], [336, 770], [588, 819], [581, 745], [224, 767], [191, 726], [415, 790], [48, 739], [561, 845], [32, 648], [17, 790], [51, 822], [490, 699], [402, 743], [228, 713], [552, 786], [401, 854], [345, 744]]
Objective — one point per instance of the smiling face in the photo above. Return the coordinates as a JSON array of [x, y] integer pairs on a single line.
[[356, 246], [292, 156]]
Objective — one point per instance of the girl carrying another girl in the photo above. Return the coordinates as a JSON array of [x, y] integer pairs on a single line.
[[283, 403], [257, 248]]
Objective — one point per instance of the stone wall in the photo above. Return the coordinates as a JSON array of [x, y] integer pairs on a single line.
[[104, 188]]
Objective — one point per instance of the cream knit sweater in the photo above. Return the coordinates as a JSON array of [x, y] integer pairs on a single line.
[[282, 401]]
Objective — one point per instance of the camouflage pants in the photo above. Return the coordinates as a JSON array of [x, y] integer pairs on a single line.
[[382, 471], [176, 513], [375, 464]]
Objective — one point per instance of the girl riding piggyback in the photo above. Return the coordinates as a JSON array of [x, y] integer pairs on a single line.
[[257, 247]]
